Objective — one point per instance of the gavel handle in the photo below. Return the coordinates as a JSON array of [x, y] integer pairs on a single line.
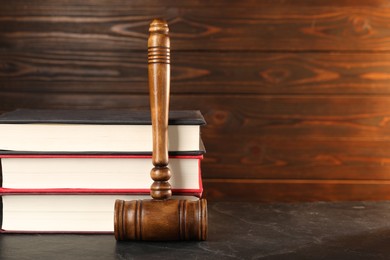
[[159, 85]]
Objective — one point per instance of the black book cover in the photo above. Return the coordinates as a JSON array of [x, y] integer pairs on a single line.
[[97, 117], [202, 150]]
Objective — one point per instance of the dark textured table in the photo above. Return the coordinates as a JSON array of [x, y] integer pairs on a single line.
[[348, 230]]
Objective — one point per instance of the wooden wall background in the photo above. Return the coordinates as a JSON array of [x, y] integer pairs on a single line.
[[296, 93]]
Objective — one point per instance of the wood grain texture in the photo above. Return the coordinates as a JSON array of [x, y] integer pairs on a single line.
[[198, 73], [295, 92], [296, 158], [252, 25], [159, 72]]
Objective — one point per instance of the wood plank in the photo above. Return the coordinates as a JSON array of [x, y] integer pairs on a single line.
[[27, 25], [198, 72], [284, 157], [236, 111], [295, 191]]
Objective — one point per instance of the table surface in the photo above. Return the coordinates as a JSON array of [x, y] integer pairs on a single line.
[[343, 230]]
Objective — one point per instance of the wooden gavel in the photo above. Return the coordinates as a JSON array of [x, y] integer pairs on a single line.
[[160, 218]]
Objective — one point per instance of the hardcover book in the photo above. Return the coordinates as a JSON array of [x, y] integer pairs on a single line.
[[28, 173], [61, 213], [95, 131]]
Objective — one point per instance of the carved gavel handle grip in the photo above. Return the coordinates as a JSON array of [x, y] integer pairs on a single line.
[[159, 84]]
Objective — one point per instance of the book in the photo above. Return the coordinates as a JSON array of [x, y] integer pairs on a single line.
[[55, 173], [61, 213], [62, 170], [95, 131]]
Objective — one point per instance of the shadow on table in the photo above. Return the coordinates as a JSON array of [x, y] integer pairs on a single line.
[[370, 245]]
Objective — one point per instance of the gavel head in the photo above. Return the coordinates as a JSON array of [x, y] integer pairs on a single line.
[[157, 220]]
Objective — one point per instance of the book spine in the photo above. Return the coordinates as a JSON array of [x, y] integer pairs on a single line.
[[2, 231], [95, 156], [11, 191]]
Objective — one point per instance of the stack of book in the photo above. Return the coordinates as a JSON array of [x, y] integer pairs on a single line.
[[62, 170]]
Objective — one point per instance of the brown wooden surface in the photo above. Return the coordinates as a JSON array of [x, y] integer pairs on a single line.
[[161, 220], [295, 92], [224, 25], [198, 73]]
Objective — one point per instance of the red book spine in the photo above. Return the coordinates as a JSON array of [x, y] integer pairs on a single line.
[[113, 156]]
